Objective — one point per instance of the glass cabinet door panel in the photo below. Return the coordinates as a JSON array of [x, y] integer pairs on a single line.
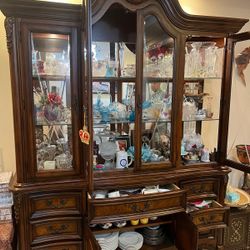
[[156, 92], [204, 59], [113, 59], [113, 123], [114, 43], [238, 149], [113, 89], [52, 101], [201, 101], [158, 50]]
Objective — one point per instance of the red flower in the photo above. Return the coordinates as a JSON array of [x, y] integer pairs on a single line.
[[55, 99]]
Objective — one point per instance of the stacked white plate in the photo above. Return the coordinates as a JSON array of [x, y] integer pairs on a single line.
[[108, 241], [130, 241]]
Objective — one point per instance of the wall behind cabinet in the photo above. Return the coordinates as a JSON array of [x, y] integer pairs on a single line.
[[230, 8]]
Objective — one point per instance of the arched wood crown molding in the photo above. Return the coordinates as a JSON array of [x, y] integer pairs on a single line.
[[72, 12], [179, 18]]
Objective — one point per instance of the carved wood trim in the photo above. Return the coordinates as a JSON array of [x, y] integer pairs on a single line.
[[175, 13], [17, 206], [41, 10], [136, 1], [9, 27], [248, 238]]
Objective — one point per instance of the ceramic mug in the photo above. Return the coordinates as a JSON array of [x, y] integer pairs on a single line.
[[122, 159]]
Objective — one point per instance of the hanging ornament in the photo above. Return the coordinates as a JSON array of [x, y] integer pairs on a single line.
[[83, 133]]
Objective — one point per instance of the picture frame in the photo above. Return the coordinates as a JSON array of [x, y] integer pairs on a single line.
[[123, 142]]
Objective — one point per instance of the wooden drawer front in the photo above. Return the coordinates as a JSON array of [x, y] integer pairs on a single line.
[[237, 234], [56, 229], [138, 206], [61, 246], [215, 215], [209, 187], [54, 203], [210, 245], [207, 240]]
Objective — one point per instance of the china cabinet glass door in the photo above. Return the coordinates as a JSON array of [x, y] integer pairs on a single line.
[[53, 85], [157, 85], [201, 99], [113, 89], [132, 88], [238, 149], [52, 101]]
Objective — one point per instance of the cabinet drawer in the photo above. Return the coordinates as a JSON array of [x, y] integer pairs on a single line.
[[60, 246], [198, 188], [136, 206], [207, 239], [54, 203], [56, 229], [216, 216]]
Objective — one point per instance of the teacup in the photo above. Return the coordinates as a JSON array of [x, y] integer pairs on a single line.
[[120, 223], [100, 194], [134, 222], [144, 221], [106, 225], [150, 190], [114, 194]]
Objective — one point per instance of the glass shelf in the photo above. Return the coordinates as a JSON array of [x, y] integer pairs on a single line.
[[156, 120], [53, 123], [132, 122], [157, 79], [149, 79], [202, 120], [110, 79], [202, 78], [113, 122], [47, 77]]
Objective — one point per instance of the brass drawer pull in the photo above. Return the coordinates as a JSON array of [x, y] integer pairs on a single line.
[[207, 219], [62, 229], [60, 204], [136, 208]]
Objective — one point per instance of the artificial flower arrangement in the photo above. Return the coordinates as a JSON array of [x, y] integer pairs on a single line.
[[52, 106]]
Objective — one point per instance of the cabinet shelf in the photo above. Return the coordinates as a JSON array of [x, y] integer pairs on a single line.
[[167, 245], [46, 77], [160, 221], [202, 120], [191, 79], [53, 124], [113, 122], [151, 79], [131, 122], [113, 79]]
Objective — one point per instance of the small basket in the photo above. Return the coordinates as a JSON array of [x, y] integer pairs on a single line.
[[242, 153]]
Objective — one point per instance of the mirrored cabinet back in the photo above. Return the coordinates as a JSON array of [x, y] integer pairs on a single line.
[[121, 113]]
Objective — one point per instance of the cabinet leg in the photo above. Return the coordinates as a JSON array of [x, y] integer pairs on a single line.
[[220, 239]]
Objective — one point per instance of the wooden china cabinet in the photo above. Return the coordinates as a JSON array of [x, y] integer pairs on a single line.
[[150, 83]]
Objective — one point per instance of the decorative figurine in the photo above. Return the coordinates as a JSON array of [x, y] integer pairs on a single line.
[[205, 155]]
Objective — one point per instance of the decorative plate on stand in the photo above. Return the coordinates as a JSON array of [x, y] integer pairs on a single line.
[[242, 202]]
